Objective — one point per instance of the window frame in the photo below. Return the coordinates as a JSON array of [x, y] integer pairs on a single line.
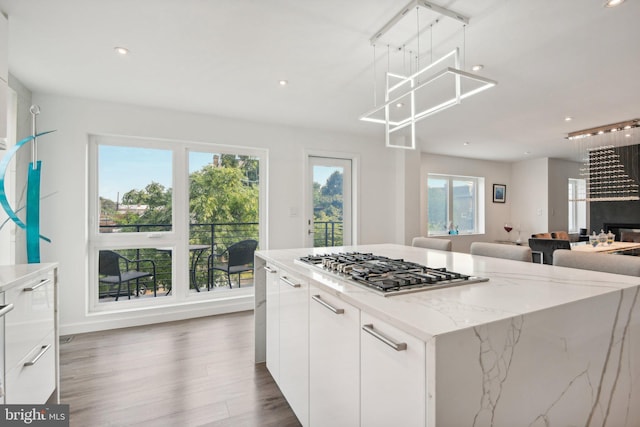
[[577, 201], [175, 238]]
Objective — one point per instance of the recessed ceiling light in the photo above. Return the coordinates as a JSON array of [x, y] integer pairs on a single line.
[[628, 135], [399, 105], [283, 82], [121, 50], [526, 153], [477, 67], [568, 119], [466, 143], [613, 3]]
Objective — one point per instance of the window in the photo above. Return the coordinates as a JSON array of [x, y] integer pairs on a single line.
[[162, 216], [453, 204], [577, 205]]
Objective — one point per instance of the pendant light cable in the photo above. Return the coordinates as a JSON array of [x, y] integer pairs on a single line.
[[431, 43], [418, 37], [375, 80], [464, 47]]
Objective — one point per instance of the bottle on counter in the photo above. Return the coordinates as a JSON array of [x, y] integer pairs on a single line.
[[602, 238], [610, 238]]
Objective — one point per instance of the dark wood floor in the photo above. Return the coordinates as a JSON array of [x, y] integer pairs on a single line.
[[196, 372]]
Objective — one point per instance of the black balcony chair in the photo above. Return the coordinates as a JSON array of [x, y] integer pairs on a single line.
[[111, 273], [239, 258]]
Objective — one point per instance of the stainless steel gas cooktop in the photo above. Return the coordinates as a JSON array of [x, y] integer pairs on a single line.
[[387, 276]]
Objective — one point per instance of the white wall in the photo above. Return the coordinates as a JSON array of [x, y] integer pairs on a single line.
[[559, 173], [12, 238], [496, 214], [407, 202], [540, 197], [64, 155], [530, 199]]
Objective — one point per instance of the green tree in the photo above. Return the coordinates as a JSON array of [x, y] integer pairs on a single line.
[[328, 199], [220, 194], [333, 186]]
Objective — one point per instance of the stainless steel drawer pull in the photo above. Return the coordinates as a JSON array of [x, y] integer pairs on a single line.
[[41, 353], [39, 285], [329, 306], [289, 282], [269, 269], [4, 309], [397, 346]]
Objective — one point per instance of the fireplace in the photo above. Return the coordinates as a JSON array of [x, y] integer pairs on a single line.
[[615, 227]]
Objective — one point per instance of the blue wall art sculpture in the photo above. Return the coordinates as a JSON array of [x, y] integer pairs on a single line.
[[32, 223]]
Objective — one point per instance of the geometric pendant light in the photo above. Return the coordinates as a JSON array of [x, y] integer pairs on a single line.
[[425, 92]]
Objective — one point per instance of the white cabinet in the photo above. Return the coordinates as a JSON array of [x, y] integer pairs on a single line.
[[334, 361], [294, 344], [393, 381], [30, 341], [273, 321]]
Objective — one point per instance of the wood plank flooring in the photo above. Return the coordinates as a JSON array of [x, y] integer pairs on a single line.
[[197, 372]]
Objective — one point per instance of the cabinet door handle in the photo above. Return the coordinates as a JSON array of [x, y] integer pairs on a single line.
[[317, 298], [41, 353], [269, 269], [397, 346], [33, 288], [289, 282], [4, 309]]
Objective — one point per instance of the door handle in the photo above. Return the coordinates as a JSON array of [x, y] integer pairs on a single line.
[[41, 353], [289, 282], [4, 309], [33, 288], [327, 305], [397, 346]]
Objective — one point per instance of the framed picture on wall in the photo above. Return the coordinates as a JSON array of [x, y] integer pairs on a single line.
[[499, 193]]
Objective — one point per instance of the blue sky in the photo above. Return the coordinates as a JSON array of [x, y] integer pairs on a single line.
[[126, 168], [321, 173]]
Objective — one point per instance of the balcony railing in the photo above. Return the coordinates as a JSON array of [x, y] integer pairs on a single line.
[[327, 233], [217, 236]]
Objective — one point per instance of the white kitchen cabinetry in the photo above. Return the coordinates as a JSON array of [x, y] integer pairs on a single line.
[[392, 379], [294, 344], [334, 359], [273, 321], [30, 339]]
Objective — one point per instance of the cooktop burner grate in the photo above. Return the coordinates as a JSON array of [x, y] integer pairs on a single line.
[[388, 276]]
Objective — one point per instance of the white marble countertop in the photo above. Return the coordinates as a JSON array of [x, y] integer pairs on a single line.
[[15, 275], [514, 288]]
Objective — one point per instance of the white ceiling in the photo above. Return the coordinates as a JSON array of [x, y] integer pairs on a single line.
[[225, 57]]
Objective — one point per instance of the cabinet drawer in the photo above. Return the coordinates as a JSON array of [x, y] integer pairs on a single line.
[[334, 387], [31, 319], [33, 380], [393, 375]]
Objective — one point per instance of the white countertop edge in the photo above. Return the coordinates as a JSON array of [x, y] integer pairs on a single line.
[[431, 313], [15, 275]]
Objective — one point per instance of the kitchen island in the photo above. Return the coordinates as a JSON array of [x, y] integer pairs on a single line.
[[535, 345]]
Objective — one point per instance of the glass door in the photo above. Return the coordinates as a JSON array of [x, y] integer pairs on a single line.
[[329, 220]]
